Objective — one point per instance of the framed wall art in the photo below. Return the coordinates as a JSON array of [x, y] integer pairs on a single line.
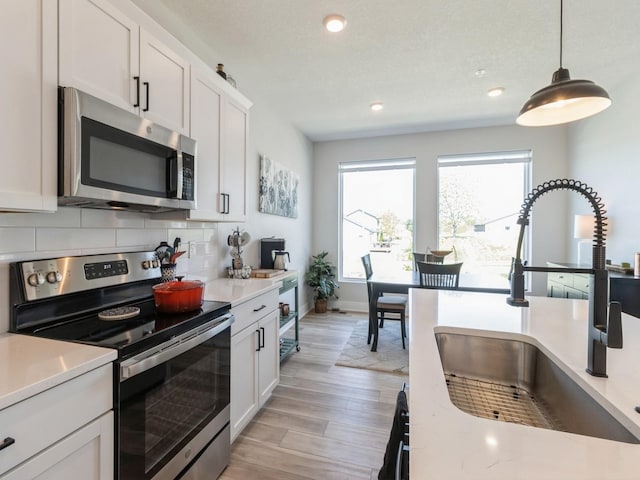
[[278, 189]]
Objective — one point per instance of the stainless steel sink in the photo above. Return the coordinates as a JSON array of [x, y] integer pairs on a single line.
[[513, 381]]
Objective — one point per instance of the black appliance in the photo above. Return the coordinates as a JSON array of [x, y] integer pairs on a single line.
[[172, 374], [267, 248]]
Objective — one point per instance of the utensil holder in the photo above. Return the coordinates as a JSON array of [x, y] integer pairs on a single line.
[[168, 272]]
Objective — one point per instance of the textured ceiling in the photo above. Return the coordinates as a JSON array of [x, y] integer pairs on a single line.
[[418, 57]]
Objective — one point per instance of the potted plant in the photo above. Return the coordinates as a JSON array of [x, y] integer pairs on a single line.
[[320, 277]]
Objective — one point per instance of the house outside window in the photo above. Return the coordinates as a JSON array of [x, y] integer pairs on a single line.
[[377, 216], [479, 199]]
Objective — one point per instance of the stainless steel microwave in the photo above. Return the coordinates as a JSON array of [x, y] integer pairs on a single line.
[[112, 158]]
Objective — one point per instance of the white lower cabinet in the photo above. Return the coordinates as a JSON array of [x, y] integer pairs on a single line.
[[86, 453], [64, 432], [255, 360]]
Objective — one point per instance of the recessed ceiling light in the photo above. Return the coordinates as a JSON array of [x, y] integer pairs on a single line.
[[495, 92], [480, 72], [334, 23], [377, 106]]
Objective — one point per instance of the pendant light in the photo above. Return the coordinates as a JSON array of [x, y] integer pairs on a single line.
[[564, 100]]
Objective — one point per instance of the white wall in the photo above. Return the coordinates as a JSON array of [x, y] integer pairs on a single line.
[[549, 162], [604, 152]]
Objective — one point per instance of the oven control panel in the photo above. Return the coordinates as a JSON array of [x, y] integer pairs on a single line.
[[58, 276], [105, 269]]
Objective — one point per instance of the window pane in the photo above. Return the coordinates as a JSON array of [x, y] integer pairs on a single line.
[[478, 208], [377, 218]]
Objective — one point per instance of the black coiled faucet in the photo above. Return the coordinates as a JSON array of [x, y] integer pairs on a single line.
[[603, 333]]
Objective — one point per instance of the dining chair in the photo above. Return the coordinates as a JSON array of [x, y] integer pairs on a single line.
[[437, 275], [418, 257], [386, 304], [431, 258]]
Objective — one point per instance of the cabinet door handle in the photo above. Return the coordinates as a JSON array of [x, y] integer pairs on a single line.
[[6, 442], [259, 347], [261, 307], [228, 203], [225, 202], [137, 79], [262, 344], [146, 86]]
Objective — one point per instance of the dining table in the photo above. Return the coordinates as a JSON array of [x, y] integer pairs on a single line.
[[401, 282], [398, 282]]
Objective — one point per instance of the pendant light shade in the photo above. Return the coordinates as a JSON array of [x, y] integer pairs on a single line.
[[564, 100]]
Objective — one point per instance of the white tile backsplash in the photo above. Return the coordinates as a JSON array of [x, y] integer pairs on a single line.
[[152, 222], [63, 238], [110, 218], [151, 237], [75, 231], [64, 217], [17, 240], [186, 235]]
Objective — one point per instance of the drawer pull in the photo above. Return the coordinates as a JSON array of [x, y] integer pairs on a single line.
[[6, 442], [259, 308]]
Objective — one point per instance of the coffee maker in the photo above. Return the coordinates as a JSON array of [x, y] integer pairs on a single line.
[[267, 248]]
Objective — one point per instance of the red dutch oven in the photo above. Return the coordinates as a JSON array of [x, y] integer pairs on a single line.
[[178, 296]]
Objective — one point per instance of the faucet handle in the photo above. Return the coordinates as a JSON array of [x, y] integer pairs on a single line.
[[614, 325]]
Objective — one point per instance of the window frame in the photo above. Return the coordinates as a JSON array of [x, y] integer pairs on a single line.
[[524, 156], [408, 163]]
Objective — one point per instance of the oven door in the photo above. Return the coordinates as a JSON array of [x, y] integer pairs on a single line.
[[173, 401]]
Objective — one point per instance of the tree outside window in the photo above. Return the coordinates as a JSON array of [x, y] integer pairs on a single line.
[[377, 216], [479, 200]]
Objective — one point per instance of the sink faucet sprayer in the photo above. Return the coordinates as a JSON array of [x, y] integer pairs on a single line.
[[602, 333]]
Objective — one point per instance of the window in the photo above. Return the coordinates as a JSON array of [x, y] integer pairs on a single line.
[[377, 205], [479, 202]]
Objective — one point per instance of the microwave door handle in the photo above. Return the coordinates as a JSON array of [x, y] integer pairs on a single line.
[[180, 175]]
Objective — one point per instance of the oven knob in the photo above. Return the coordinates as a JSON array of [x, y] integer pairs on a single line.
[[146, 265], [54, 277], [35, 279]]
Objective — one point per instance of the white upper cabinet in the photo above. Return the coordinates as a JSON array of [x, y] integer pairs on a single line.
[[219, 124], [28, 34], [206, 100], [164, 90], [106, 54], [234, 135], [99, 51]]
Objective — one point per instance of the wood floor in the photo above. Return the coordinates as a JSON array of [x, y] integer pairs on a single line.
[[322, 421]]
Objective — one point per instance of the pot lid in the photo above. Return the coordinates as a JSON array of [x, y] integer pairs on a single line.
[[177, 285]]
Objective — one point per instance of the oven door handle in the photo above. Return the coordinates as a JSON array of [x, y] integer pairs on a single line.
[[136, 366]]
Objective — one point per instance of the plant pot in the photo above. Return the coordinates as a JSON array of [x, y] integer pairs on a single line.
[[321, 305]]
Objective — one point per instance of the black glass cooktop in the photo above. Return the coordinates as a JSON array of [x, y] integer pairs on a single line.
[[130, 335]]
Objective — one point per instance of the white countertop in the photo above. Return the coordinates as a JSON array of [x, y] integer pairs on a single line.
[[447, 443], [30, 365], [237, 291]]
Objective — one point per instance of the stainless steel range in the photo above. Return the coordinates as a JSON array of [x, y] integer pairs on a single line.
[[171, 378]]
